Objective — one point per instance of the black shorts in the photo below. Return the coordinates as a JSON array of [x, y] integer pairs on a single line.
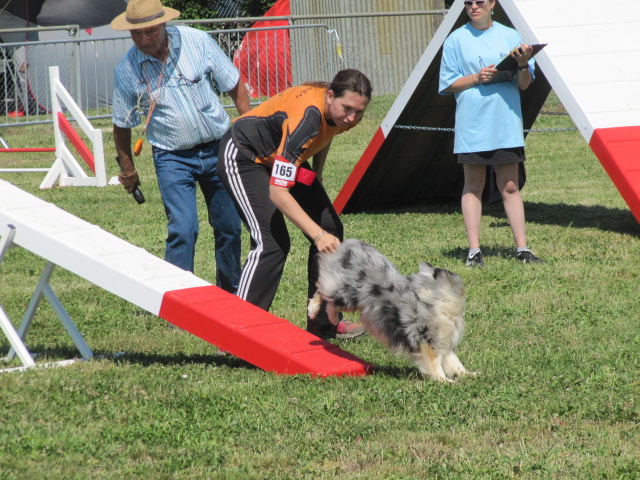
[[502, 156]]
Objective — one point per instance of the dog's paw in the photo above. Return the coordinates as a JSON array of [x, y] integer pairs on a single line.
[[313, 307]]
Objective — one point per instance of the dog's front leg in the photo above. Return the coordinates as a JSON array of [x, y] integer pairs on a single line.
[[453, 366], [429, 362], [332, 313]]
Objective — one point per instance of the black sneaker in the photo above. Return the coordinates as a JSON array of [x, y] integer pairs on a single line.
[[475, 260], [527, 256]]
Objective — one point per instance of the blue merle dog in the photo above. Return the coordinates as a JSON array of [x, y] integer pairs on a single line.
[[420, 315]]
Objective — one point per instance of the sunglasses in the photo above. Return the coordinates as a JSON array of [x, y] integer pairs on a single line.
[[479, 3]]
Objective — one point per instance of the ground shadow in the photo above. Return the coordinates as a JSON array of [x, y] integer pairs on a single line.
[[561, 214], [582, 216], [405, 372], [45, 354], [487, 250], [180, 359]]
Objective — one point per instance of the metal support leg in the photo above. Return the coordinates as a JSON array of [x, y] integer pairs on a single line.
[[44, 290], [30, 312], [17, 345], [15, 341], [67, 323], [16, 338], [6, 242]]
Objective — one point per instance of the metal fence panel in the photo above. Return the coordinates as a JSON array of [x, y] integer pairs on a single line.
[[386, 46], [87, 68], [382, 38]]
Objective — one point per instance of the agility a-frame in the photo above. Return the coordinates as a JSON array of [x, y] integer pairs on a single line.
[[409, 161], [135, 275]]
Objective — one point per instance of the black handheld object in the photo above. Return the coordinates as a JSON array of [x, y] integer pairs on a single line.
[[137, 193]]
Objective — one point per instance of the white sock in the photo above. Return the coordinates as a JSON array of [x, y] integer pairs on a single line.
[[472, 252]]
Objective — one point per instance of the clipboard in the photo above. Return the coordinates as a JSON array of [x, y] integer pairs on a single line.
[[508, 66], [509, 63]]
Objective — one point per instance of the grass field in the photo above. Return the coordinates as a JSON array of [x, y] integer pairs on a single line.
[[557, 344]]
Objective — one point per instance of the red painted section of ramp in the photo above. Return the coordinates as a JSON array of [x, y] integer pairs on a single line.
[[262, 339], [358, 171], [618, 149]]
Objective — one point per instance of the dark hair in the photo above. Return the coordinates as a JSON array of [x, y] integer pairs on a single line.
[[351, 80]]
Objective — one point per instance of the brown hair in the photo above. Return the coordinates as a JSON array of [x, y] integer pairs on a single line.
[[317, 84], [349, 80]]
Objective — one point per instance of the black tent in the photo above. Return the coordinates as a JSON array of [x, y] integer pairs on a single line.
[[47, 13]]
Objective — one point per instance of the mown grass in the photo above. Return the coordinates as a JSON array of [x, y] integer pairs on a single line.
[[557, 345]]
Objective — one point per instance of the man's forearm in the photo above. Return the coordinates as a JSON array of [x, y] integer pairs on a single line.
[[122, 140], [240, 97]]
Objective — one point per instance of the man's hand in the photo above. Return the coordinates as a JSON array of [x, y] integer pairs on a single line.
[[129, 179]]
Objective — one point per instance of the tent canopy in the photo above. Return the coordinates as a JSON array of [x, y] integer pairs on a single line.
[[49, 13]]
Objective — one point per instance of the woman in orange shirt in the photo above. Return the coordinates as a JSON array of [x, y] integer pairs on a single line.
[[265, 169]]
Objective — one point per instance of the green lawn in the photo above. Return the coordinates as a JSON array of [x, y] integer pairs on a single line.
[[557, 344]]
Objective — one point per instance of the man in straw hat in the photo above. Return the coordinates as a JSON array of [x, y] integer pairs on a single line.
[[172, 75]]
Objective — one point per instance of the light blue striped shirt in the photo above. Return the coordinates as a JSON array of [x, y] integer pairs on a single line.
[[188, 111]]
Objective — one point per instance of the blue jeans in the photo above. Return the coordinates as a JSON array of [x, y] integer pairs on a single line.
[[178, 172]]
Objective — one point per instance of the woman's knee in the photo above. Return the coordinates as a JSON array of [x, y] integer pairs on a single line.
[[510, 188]]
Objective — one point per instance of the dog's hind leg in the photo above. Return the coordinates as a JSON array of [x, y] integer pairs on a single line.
[[429, 362], [313, 307]]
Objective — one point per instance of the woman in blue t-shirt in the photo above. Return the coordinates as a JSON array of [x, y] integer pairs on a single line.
[[489, 129]]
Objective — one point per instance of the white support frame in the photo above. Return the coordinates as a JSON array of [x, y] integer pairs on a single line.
[[66, 170], [43, 289]]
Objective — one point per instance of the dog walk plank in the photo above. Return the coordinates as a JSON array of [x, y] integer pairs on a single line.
[[132, 273], [259, 337]]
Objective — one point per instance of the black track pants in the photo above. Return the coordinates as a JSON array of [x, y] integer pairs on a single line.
[[248, 184]]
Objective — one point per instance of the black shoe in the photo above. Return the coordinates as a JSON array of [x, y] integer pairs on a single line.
[[325, 332], [527, 256], [475, 260]]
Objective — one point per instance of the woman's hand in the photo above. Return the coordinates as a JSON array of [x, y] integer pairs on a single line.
[[327, 243], [486, 74], [284, 201], [522, 54]]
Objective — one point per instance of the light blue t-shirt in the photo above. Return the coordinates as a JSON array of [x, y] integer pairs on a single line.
[[188, 111], [488, 117]]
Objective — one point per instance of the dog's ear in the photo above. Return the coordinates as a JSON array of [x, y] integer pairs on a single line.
[[427, 269], [455, 281]]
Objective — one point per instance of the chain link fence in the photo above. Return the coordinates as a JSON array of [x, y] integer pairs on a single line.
[[87, 64]]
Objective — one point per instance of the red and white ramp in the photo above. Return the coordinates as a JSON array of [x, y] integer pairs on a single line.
[[591, 62], [132, 273]]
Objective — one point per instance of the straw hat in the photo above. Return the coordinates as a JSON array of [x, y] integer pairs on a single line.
[[143, 14]]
